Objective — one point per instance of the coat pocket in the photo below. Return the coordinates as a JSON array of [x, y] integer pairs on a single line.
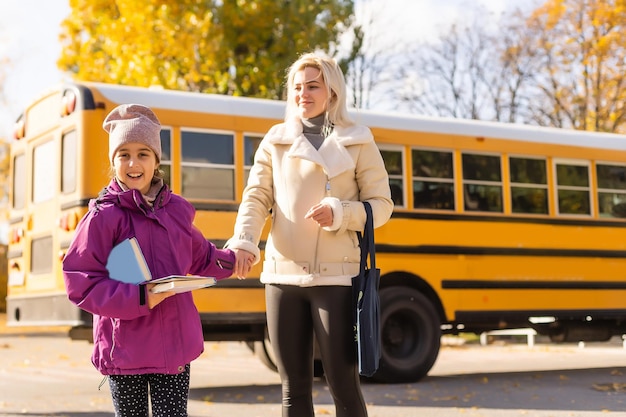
[[335, 269]]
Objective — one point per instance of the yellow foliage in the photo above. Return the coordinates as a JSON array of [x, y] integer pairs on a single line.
[[583, 47], [229, 47]]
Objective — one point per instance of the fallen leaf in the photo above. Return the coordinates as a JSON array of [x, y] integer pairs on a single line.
[[610, 387]]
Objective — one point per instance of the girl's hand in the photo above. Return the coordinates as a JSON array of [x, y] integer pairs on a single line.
[[155, 299], [243, 263]]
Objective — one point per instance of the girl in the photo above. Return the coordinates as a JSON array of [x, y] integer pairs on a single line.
[[143, 341]]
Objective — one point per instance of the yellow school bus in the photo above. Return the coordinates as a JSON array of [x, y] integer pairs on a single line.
[[495, 225]]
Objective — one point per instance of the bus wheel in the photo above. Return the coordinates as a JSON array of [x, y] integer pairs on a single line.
[[411, 335]]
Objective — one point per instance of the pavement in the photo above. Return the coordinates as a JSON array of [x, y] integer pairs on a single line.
[[506, 378]]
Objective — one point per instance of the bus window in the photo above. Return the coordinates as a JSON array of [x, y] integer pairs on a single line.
[[482, 182], [166, 155], [611, 189], [208, 170], [44, 115], [44, 162], [41, 255], [393, 163], [250, 145], [529, 185], [433, 179], [19, 182], [573, 188], [68, 162]]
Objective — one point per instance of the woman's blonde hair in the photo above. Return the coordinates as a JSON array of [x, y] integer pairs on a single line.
[[335, 83]]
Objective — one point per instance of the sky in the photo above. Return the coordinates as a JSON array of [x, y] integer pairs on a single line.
[[30, 38]]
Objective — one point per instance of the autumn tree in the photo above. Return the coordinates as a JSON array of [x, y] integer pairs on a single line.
[[227, 47], [581, 82], [4, 146], [562, 65], [143, 43], [373, 52], [513, 71], [260, 39], [5, 67], [460, 75]]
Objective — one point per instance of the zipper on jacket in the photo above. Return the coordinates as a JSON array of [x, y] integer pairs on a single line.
[[113, 341], [319, 229]]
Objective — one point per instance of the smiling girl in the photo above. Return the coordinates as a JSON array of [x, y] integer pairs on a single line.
[[143, 341]]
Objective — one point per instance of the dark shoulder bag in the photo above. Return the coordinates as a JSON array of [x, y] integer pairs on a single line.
[[367, 303]]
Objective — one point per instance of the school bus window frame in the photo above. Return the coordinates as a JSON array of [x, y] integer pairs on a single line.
[[590, 188], [208, 166]]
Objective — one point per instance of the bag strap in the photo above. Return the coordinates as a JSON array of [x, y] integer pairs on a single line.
[[367, 240]]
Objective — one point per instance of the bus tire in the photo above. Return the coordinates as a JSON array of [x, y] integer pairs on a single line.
[[411, 335]]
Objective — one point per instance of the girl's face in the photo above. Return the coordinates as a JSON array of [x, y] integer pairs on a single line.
[[311, 92], [134, 165]]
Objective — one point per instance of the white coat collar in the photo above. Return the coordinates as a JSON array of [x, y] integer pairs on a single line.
[[332, 156]]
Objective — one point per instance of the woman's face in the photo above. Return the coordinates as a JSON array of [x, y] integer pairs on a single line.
[[311, 92], [134, 165]]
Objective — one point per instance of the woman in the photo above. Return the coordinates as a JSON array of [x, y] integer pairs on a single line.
[[310, 175]]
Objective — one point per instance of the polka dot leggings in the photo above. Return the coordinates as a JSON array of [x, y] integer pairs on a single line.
[[168, 394]]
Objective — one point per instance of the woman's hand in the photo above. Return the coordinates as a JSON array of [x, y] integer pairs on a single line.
[[155, 299], [322, 214], [243, 263]]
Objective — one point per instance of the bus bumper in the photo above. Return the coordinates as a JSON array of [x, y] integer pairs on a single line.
[[48, 310]]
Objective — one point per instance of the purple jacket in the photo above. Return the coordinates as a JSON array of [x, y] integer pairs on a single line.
[[129, 338]]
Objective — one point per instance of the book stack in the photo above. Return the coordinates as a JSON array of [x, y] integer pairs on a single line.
[[126, 263]]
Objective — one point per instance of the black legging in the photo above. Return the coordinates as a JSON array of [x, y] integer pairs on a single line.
[[293, 315]]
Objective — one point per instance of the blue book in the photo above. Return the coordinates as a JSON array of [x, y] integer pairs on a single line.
[[127, 264]]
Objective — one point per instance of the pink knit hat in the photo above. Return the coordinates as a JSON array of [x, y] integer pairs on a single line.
[[133, 123]]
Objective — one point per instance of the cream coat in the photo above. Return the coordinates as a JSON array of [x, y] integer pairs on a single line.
[[290, 176]]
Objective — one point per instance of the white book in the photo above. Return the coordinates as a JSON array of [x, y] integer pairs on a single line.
[[181, 283]]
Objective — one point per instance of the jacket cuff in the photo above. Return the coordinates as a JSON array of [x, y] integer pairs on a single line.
[[233, 243], [337, 208], [225, 259], [143, 296]]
